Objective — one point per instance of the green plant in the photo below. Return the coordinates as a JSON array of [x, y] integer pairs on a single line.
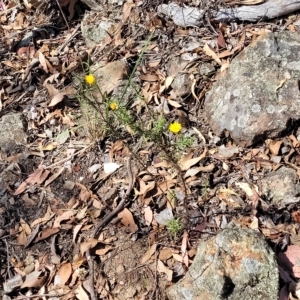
[[172, 198], [174, 226], [184, 142]]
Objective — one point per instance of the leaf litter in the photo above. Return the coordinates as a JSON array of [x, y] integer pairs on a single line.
[[44, 217]]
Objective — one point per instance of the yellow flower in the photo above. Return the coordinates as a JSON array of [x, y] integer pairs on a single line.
[[113, 106], [175, 127], [90, 79]]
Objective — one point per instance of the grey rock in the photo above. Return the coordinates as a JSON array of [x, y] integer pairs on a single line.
[[175, 65], [12, 131], [94, 33], [206, 69], [110, 76], [236, 264], [181, 84], [7, 177], [281, 187], [259, 95]]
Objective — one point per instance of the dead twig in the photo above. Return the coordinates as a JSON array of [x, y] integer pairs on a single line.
[[69, 39], [42, 295], [34, 63], [62, 13], [69, 157], [105, 221]]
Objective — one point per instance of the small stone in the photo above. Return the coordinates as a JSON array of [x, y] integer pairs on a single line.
[[182, 85], [280, 186], [12, 131], [206, 69], [28, 269], [94, 33], [69, 185]]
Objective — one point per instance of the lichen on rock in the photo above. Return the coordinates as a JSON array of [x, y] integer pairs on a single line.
[[259, 95]]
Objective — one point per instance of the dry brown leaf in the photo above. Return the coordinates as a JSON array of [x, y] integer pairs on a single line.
[[220, 40], [85, 193], [81, 293], [174, 103], [103, 251], [184, 253], [177, 257], [43, 62], [76, 229], [43, 177], [56, 99], [295, 141], [46, 233], [164, 186], [32, 179], [48, 215], [199, 134], [254, 224], [149, 77], [127, 7], [148, 254], [52, 91], [289, 260], [34, 280], [50, 79], [117, 146], [54, 176], [91, 243], [187, 161], [22, 238], [274, 147], [163, 269], [204, 169], [81, 214], [9, 64], [144, 189], [127, 220], [192, 252], [65, 216], [212, 54], [49, 147], [148, 215], [169, 81], [296, 216], [247, 189], [165, 254], [97, 204], [25, 226], [65, 272]]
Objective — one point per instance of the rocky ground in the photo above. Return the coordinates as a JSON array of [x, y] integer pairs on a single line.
[[132, 136]]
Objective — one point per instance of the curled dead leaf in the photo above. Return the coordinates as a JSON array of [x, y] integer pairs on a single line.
[[91, 243], [127, 220]]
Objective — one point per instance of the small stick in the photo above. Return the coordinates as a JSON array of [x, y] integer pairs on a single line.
[[33, 63], [38, 296], [68, 40], [63, 15], [105, 221], [67, 158]]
